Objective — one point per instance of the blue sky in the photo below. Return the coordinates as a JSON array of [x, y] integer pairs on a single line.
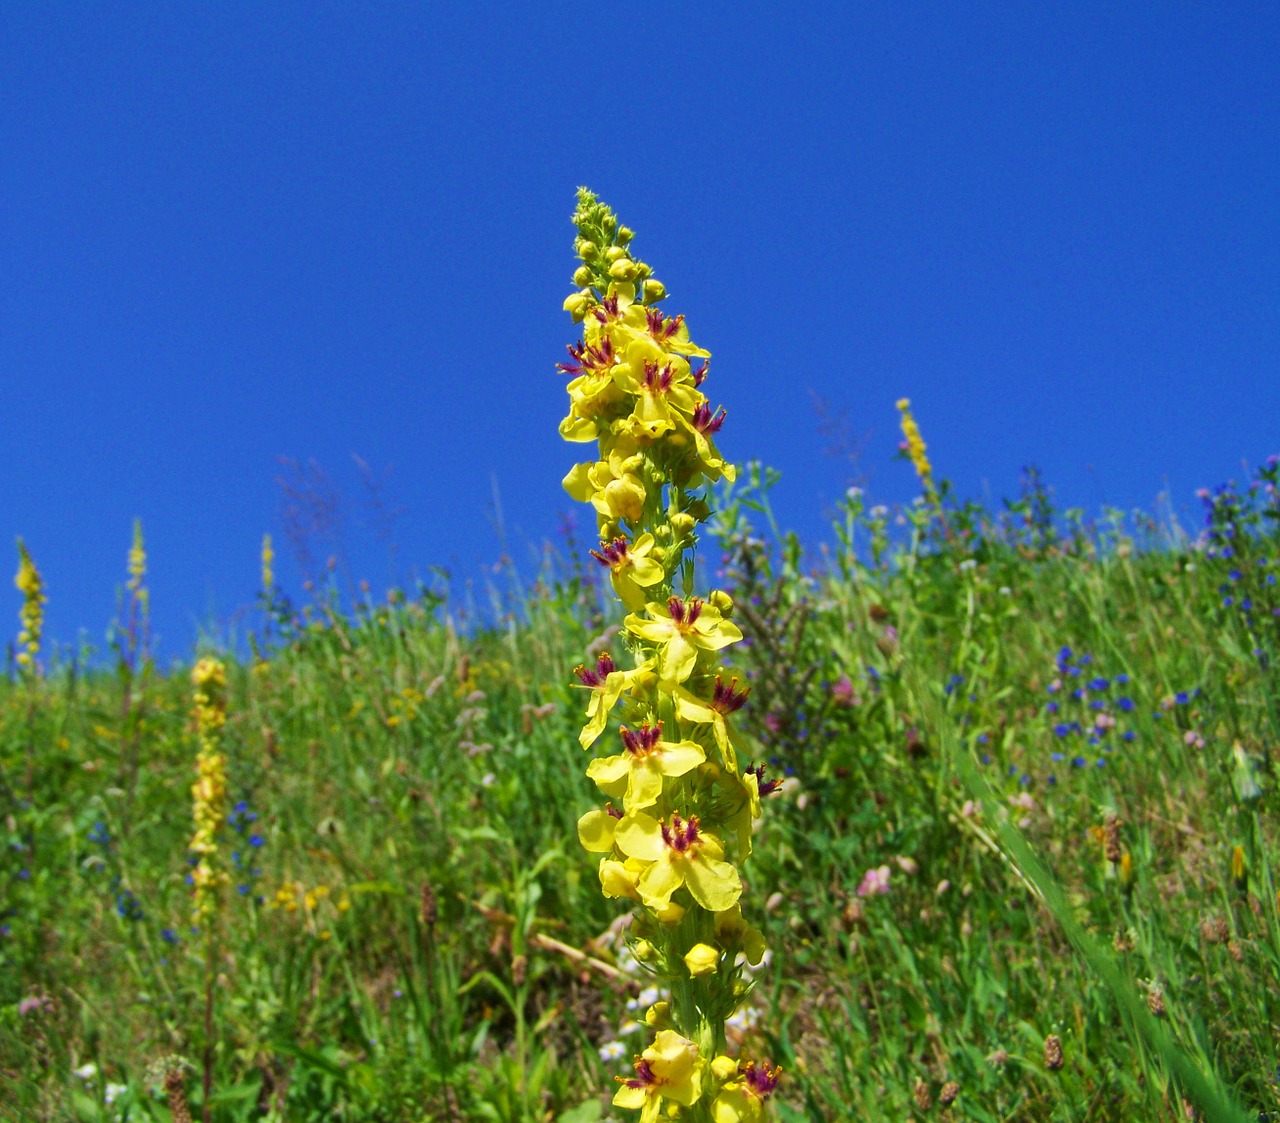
[[241, 232]]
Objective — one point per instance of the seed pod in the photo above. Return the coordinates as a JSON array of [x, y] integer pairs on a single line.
[[1053, 1052]]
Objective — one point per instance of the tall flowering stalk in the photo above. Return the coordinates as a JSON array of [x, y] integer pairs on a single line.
[[31, 616], [209, 792], [688, 805], [209, 796], [139, 620], [914, 447]]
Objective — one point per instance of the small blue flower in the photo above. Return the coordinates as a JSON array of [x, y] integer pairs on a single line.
[[256, 840], [169, 936], [1078, 762], [1051, 707], [1062, 729], [1125, 704], [1182, 698], [1122, 679], [1099, 683], [1128, 735]]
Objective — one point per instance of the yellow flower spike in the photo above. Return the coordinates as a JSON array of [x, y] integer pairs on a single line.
[[670, 1068], [682, 628], [268, 565], [679, 855], [915, 446], [631, 569], [31, 616], [701, 959], [636, 773], [209, 792]]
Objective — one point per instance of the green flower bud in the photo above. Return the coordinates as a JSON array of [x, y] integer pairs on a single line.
[[682, 523], [582, 276], [622, 270], [625, 234], [614, 253], [588, 250], [699, 509]]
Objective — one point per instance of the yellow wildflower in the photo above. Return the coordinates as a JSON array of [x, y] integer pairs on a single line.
[[682, 628], [679, 855], [670, 1068]]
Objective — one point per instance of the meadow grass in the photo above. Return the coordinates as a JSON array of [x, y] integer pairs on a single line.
[[1021, 867]]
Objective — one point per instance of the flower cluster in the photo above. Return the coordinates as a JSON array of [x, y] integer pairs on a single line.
[[687, 805], [914, 447], [31, 585], [209, 792]]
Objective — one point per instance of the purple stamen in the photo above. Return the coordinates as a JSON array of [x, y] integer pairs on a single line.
[[596, 676], [613, 554], [707, 422], [728, 699], [761, 1080], [763, 786]]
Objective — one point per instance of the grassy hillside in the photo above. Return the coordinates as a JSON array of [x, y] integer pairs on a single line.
[[412, 931]]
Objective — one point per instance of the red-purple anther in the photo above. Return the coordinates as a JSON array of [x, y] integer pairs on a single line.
[[763, 786], [645, 1077], [684, 614], [612, 811], [682, 834], [642, 740], [604, 667], [660, 327], [700, 375], [589, 358], [728, 699], [606, 310], [657, 380], [612, 554], [707, 422], [762, 1079]]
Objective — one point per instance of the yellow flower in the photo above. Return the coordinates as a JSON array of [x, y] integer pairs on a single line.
[[724, 700], [637, 773], [682, 629], [679, 855], [741, 1100], [631, 569], [670, 1068], [607, 685], [612, 486], [268, 564]]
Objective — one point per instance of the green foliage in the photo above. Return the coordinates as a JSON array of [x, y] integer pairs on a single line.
[[419, 937]]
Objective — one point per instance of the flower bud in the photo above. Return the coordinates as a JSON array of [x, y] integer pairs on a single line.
[[623, 270], [658, 1016], [722, 1068], [588, 250], [722, 602], [582, 276], [624, 235], [644, 951], [701, 959], [652, 291], [682, 523], [577, 305], [614, 253]]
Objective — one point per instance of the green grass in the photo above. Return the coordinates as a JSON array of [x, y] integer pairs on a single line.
[[423, 939]]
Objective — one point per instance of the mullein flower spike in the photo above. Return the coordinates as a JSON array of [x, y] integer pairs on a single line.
[[913, 445], [687, 809], [31, 585], [209, 792]]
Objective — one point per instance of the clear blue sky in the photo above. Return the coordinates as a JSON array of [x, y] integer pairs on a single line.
[[235, 232]]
